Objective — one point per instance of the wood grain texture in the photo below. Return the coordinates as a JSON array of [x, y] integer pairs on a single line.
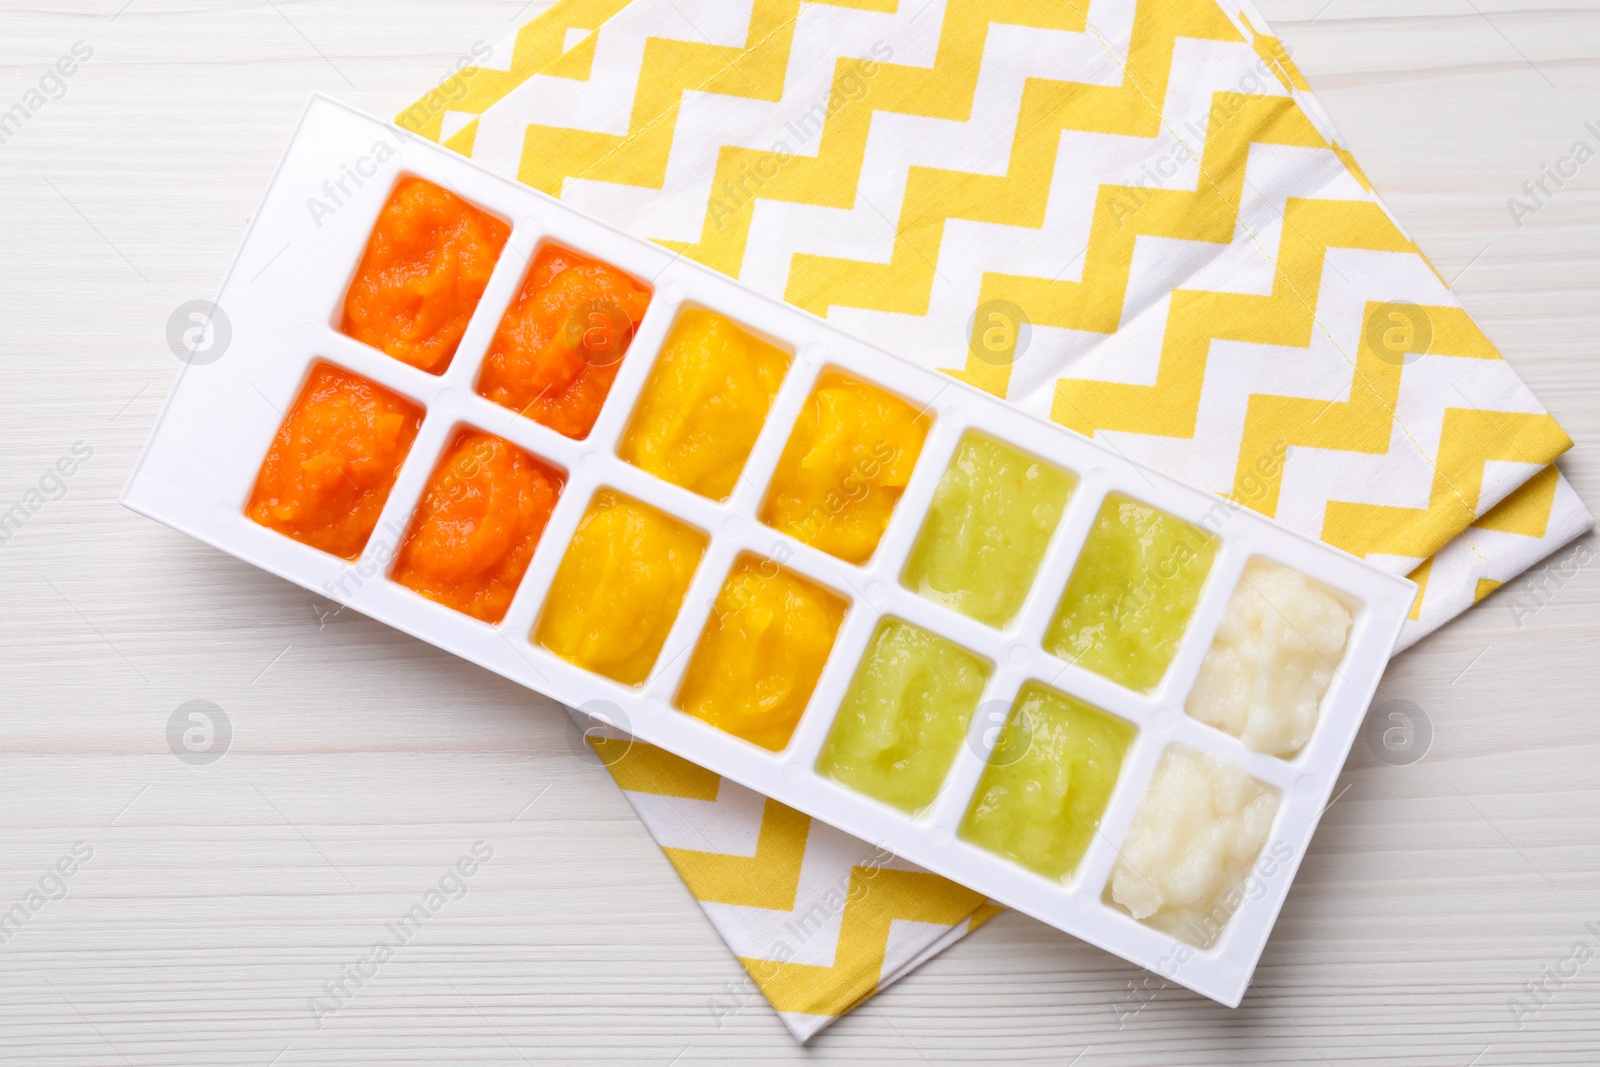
[[219, 899]]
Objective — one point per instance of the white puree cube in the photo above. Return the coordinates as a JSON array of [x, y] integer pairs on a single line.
[[1199, 829], [1272, 660]]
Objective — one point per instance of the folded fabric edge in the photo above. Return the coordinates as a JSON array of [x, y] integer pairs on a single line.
[[804, 1027], [1497, 549], [819, 920]]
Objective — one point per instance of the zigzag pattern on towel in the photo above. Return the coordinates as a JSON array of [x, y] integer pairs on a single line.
[[1364, 423], [876, 897], [1020, 197], [669, 69], [1096, 301], [539, 48]]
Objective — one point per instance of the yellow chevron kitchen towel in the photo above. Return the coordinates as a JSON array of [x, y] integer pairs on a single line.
[[1128, 216], [819, 919]]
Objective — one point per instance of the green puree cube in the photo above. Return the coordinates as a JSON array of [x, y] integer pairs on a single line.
[[1131, 594], [1048, 781], [905, 716], [991, 521]]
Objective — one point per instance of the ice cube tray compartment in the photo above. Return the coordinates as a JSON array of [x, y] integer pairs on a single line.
[[284, 296]]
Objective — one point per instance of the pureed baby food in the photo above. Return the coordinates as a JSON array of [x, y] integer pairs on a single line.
[[989, 645]]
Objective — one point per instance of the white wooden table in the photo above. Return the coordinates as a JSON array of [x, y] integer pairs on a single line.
[[219, 899]]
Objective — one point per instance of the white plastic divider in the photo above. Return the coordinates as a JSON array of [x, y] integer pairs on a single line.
[[284, 296]]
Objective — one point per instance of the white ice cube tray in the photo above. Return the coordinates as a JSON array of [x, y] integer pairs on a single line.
[[283, 298]]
